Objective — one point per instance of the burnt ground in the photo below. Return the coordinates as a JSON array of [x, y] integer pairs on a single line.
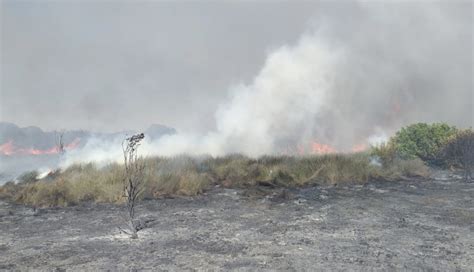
[[411, 225]]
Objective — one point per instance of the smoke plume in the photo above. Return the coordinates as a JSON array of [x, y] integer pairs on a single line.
[[356, 75], [346, 82]]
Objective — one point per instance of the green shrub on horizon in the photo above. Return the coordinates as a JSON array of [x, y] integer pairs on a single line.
[[422, 141]]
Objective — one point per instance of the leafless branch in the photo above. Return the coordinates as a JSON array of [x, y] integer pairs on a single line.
[[134, 178]]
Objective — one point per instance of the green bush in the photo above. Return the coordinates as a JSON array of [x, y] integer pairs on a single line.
[[422, 141]]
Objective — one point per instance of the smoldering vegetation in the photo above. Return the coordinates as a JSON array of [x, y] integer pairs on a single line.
[[189, 175]]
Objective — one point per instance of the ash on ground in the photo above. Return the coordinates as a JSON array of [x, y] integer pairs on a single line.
[[415, 225]]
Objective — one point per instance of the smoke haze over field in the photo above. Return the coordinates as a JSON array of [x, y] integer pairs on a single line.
[[287, 75]]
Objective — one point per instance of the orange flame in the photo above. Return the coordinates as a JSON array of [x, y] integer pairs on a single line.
[[9, 149], [359, 147], [73, 145], [318, 148], [314, 147]]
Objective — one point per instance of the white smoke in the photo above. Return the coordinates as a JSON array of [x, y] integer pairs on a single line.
[[378, 139], [290, 89], [338, 84], [97, 150]]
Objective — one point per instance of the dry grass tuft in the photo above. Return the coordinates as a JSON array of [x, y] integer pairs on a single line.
[[189, 176]]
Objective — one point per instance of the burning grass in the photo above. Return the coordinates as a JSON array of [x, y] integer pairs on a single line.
[[184, 175]]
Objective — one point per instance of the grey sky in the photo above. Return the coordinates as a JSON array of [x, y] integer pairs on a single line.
[[109, 65], [124, 65]]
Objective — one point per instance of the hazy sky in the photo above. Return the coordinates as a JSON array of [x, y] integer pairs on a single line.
[[108, 65]]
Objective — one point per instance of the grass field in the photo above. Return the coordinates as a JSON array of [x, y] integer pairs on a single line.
[[185, 175]]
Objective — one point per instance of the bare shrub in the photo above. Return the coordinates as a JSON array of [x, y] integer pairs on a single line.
[[60, 142], [134, 178], [459, 151]]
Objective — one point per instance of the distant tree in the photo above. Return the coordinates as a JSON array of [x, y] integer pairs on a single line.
[[134, 179], [459, 151], [60, 142]]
